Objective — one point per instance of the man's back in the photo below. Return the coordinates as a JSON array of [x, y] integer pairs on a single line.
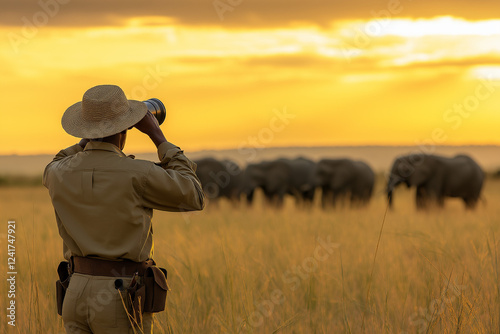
[[103, 199]]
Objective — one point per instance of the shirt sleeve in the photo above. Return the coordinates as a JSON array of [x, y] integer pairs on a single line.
[[173, 185], [67, 152], [74, 149]]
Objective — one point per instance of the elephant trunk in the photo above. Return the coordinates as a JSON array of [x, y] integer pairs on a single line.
[[389, 198], [391, 184]]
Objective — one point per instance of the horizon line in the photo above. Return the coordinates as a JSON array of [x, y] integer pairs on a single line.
[[286, 147]]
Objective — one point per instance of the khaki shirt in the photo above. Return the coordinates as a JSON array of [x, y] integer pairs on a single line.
[[104, 200]]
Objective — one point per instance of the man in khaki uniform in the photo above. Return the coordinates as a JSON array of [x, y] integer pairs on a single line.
[[104, 203]]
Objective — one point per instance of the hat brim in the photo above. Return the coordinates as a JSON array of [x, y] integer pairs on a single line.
[[74, 124]]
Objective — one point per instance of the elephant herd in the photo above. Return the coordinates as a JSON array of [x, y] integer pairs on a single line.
[[342, 180]]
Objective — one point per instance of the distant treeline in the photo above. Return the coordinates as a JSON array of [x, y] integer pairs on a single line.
[[20, 181], [36, 181]]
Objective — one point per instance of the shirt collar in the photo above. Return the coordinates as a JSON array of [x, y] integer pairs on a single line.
[[103, 146]]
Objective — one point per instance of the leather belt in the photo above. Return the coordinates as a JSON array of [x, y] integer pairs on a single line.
[[100, 267]]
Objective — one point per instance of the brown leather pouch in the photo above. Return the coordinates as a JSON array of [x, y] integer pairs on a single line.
[[62, 284], [155, 282]]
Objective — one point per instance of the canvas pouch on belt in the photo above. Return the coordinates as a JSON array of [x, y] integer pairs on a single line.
[[155, 282], [149, 293], [146, 294]]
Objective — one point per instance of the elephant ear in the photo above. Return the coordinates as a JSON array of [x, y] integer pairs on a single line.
[[323, 169], [422, 173]]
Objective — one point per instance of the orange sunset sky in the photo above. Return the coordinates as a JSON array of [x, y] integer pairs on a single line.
[[338, 72]]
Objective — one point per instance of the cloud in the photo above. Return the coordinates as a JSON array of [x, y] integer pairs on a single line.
[[234, 13], [188, 50], [466, 62], [330, 67]]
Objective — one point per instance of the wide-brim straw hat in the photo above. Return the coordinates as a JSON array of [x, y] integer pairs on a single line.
[[103, 111]]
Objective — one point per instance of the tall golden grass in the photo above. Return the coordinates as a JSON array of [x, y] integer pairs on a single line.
[[259, 270]]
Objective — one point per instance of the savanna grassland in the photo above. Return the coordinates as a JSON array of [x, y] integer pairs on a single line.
[[294, 270]]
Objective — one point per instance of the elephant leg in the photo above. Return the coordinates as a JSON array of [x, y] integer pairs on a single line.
[[361, 201], [366, 197], [303, 198], [250, 197], [344, 197], [470, 203], [307, 203], [434, 197], [358, 199], [300, 201], [271, 200], [325, 196], [353, 198], [270, 197], [421, 198], [354, 201], [279, 200], [308, 197], [334, 199], [298, 198], [440, 201]]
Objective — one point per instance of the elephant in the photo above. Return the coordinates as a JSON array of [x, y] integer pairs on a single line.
[[219, 178], [301, 182], [279, 177], [437, 177], [344, 179]]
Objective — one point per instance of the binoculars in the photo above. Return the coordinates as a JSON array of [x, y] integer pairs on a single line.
[[157, 108]]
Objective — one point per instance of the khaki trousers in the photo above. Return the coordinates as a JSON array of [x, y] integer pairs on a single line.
[[93, 305]]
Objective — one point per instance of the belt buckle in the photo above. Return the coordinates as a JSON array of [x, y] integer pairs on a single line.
[[134, 278]]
